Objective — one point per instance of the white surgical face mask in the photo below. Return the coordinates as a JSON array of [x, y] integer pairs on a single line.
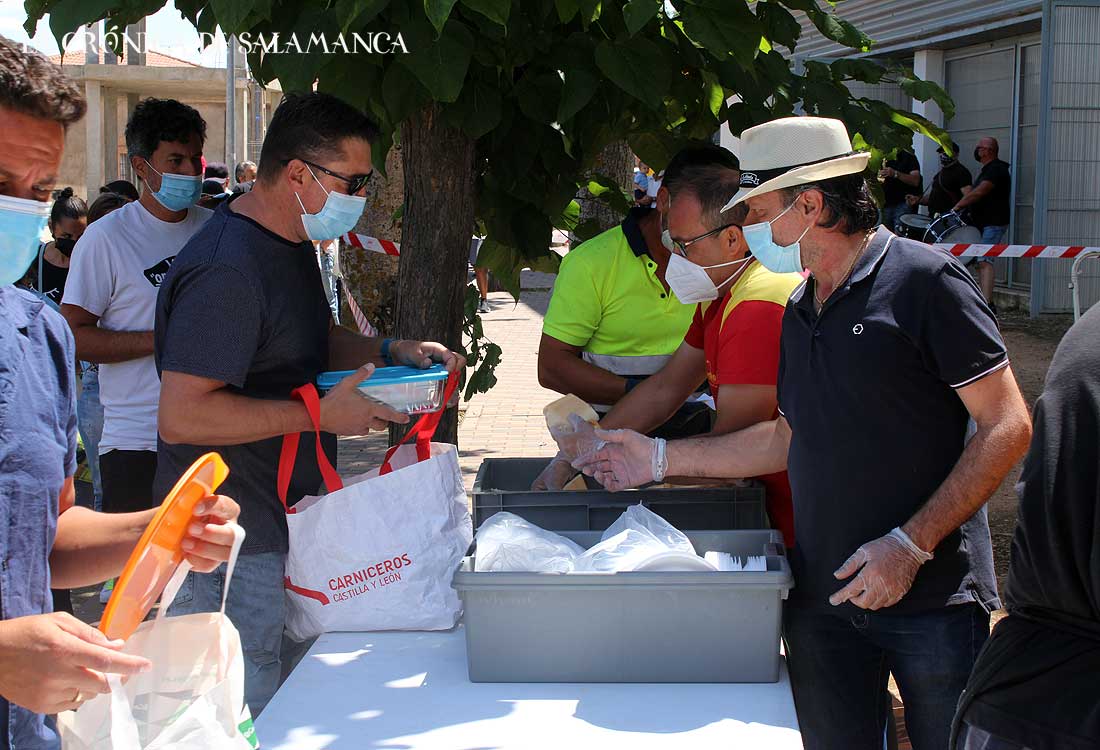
[[692, 284]]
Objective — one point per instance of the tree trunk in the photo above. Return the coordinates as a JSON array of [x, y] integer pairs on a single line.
[[437, 226], [615, 161], [372, 277]]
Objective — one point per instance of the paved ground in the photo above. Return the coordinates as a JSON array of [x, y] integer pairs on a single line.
[[506, 421]]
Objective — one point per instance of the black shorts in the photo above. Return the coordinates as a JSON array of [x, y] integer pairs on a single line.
[[127, 478]]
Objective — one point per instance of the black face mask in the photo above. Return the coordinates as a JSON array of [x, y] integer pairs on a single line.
[[977, 154], [65, 245], [945, 159]]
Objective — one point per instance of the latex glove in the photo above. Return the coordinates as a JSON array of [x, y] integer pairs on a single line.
[[886, 569], [627, 460], [578, 439], [555, 476]]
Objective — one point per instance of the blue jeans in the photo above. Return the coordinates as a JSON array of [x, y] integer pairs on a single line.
[[840, 667], [992, 236], [890, 214], [256, 606], [89, 418]]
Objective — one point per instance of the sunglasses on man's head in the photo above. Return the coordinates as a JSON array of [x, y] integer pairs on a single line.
[[355, 182]]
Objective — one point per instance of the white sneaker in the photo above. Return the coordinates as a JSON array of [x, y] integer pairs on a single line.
[[483, 307], [106, 591]]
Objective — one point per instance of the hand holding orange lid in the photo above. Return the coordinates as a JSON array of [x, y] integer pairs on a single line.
[[167, 541]]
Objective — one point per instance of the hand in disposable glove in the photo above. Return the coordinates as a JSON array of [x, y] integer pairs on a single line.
[[887, 567], [627, 460], [555, 476], [578, 440]]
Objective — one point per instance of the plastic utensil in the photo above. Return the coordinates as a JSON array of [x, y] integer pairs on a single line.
[[158, 553], [674, 561]]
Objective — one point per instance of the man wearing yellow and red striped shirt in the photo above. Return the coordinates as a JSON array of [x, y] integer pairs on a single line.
[[733, 341]]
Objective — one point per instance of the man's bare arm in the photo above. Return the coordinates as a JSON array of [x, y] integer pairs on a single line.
[[1004, 431], [95, 344], [562, 369]]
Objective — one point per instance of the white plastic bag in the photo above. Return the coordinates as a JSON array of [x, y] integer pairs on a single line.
[[642, 519], [619, 553], [508, 543], [192, 699], [379, 551]]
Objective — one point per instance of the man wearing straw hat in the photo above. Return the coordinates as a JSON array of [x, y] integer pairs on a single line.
[[887, 351]]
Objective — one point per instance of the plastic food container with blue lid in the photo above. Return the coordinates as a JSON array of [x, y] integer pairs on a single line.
[[404, 389]]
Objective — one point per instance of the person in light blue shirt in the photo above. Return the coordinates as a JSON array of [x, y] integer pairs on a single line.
[[50, 661]]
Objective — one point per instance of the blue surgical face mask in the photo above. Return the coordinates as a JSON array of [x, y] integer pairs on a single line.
[[336, 218], [177, 191], [775, 258], [21, 224]]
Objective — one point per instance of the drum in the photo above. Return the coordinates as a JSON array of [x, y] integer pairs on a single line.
[[912, 226], [950, 228]]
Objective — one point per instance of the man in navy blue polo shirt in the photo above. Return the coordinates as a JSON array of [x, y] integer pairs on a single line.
[[887, 351]]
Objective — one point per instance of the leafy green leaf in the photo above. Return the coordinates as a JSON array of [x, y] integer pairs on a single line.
[[779, 25], [438, 11], [637, 13], [232, 14], [922, 91], [655, 150], [539, 94], [358, 13], [867, 71], [836, 28], [569, 217], [730, 30], [504, 263], [477, 110], [713, 94], [402, 93], [634, 67], [579, 87], [567, 9], [494, 10], [441, 66], [922, 126], [69, 15]]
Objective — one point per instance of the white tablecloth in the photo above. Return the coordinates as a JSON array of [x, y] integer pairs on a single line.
[[410, 691]]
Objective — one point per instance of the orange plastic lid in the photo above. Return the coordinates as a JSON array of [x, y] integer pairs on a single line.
[[158, 553]]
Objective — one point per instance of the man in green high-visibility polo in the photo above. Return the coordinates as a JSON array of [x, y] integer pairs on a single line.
[[613, 320]]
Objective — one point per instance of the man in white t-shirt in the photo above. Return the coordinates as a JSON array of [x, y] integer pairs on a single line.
[[111, 294]]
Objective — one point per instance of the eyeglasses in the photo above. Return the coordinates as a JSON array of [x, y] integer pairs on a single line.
[[355, 182], [683, 246]]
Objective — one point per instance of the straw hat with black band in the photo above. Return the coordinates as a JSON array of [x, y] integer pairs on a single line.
[[794, 151]]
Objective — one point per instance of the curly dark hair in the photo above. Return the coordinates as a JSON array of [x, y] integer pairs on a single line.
[[67, 205], [848, 200], [32, 85], [157, 120], [310, 126]]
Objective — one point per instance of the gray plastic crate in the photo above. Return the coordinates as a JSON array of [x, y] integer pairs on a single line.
[[504, 484], [629, 627]]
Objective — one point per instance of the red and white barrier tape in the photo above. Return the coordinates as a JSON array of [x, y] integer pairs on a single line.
[[372, 244], [361, 321], [1016, 251]]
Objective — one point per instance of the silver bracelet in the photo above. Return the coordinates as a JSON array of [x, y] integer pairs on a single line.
[[904, 538], [660, 459]]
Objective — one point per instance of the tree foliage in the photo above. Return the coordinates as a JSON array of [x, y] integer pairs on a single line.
[[544, 85]]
